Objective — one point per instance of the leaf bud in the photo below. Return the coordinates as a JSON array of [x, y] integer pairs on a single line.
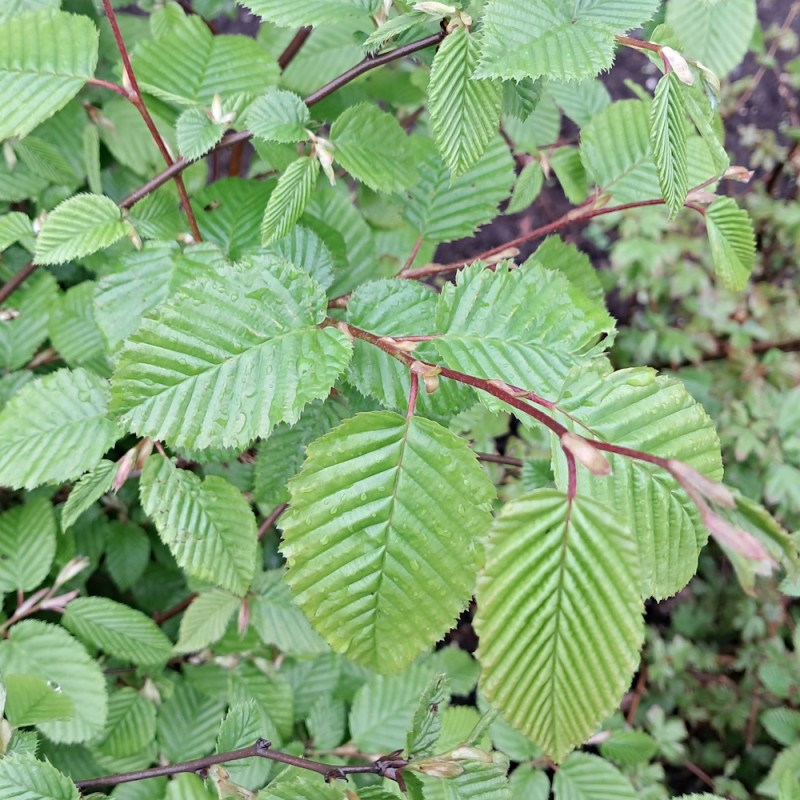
[[678, 64], [585, 452]]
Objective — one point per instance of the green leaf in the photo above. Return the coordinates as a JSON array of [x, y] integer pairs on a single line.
[[394, 27], [15, 8], [478, 781], [22, 777], [257, 359], [397, 308], [716, 32], [668, 137], [553, 39], [197, 133], [561, 579], [782, 724], [189, 65], [54, 429], [527, 188], [27, 545], [31, 700], [587, 777], [568, 167], [373, 148], [130, 727], [241, 727], [78, 227], [20, 338], [580, 100], [127, 554], [45, 59], [528, 327], [206, 619], [529, 783], [383, 710], [520, 98], [635, 408], [733, 242], [426, 724], [188, 723], [119, 630], [293, 13], [299, 787], [327, 723], [629, 748], [207, 525], [556, 254], [91, 487], [279, 116], [14, 226], [278, 620], [30, 649], [365, 546], [442, 208], [289, 199], [465, 112], [305, 249]]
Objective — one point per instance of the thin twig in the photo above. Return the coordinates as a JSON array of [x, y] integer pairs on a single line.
[[162, 616], [14, 283], [136, 97], [315, 97], [293, 48], [495, 458], [274, 516]]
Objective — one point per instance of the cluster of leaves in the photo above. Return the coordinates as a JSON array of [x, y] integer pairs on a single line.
[[197, 360]]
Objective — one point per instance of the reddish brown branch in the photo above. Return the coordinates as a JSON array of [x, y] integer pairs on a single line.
[[14, 283], [293, 48]]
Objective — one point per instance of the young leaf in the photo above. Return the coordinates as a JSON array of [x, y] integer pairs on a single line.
[[31, 700], [207, 525], [14, 226], [91, 487], [54, 429], [586, 776], [465, 112], [373, 148], [548, 562], [527, 188], [27, 545], [23, 776], [30, 650], [365, 546], [568, 167], [427, 722], [733, 242], [279, 116], [553, 39], [394, 27], [45, 59], [205, 620], [668, 139], [257, 359], [117, 629], [79, 227], [197, 133], [635, 408], [289, 199]]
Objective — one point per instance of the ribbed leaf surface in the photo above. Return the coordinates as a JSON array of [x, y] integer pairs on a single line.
[[528, 327], [30, 700], [188, 723], [478, 781], [635, 408], [54, 429], [668, 139], [27, 545], [78, 227], [119, 630], [91, 487], [586, 777], [49, 652], [20, 338], [465, 112], [74, 332], [205, 620], [197, 133], [207, 525], [45, 59], [373, 148], [256, 360], [13, 8], [559, 617], [300, 787], [294, 13], [22, 777], [369, 540], [733, 242], [396, 308], [189, 65], [442, 208], [278, 116], [130, 727], [716, 32], [287, 203], [426, 725]]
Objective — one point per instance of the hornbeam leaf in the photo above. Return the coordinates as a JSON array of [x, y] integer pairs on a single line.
[[367, 544], [373, 148], [27, 545], [528, 327], [45, 59], [279, 116], [294, 13], [49, 652], [54, 429], [586, 777], [78, 227], [197, 133], [23, 776], [464, 112], [635, 408], [478, 780], [555, 39], [119, 630], [207, 525], [31, 700], [205, 620], [189, 65], [289, 199], [257, 359], [668, 137], [561, 580], [733, 242], [91, 487]]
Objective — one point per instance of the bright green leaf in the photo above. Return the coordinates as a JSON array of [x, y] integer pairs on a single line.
[[733, 242], [586, 777], [31, 700], [205, 620], [197, 133], [23, 777], [289, 199], [668, 138], [426, 724], [27, 545], [279, 116], [91, 487]]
